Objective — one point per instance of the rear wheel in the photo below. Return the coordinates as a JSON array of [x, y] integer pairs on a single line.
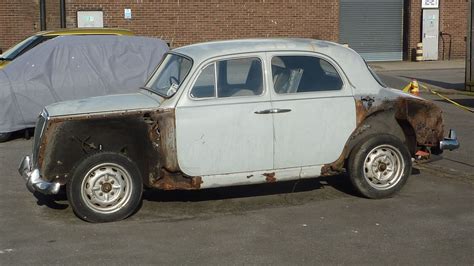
[[105, 187], [379, 166], [5, 136]]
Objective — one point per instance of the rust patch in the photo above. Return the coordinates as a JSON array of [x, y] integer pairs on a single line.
[[361, 112], [164, 134], [49, 133], [270, 177], [425, 118], [176, 181], [54, 122], [336, 166]]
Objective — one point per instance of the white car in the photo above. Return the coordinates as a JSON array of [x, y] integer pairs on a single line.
[[234, 113]]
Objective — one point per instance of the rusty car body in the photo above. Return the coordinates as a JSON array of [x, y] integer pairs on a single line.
[[234, 113]]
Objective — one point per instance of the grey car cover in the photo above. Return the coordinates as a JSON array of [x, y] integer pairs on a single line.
[[73, 67]]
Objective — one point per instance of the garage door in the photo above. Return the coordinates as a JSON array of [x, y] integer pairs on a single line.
[[374, 28]]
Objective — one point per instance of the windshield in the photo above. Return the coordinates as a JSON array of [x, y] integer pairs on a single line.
[[13, 52], [169, 75]]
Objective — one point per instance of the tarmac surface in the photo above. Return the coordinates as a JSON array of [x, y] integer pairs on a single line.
[[319, 220]]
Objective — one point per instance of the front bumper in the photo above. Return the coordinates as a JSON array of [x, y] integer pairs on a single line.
[[34, 182], [449, 143]]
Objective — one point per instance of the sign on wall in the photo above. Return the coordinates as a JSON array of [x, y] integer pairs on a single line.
[[430, 4], [90, 19]]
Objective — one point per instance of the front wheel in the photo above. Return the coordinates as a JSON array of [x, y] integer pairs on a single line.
[[379, 166], [105, 187]]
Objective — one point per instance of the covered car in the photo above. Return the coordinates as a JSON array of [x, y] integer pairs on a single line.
[[42, 36], [73, 67]]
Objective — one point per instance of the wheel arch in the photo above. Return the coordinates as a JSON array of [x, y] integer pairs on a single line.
[[70, 141], [378, 122]]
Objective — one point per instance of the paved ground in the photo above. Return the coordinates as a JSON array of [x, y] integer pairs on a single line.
[[307, 222]]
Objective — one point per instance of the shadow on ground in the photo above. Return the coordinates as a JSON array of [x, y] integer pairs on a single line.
[[294, 192]]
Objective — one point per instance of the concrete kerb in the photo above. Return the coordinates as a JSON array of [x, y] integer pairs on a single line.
[[426, 65]]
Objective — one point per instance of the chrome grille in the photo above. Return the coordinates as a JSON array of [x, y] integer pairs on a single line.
[[40, 125]]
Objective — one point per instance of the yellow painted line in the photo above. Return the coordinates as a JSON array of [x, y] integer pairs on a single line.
[[449, 100]]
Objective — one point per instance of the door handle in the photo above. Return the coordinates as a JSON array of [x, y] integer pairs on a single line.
[[273, 111]]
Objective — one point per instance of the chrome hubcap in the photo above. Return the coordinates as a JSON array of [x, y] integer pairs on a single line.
[[383, 167], [106, 188]]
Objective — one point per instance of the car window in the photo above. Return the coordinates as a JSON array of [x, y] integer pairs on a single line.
[[293, 74], [235, 77], [239, 77], [169, 75], [21, 47], [205, 85]]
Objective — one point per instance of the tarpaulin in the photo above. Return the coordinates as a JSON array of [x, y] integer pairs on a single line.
[[73, 67]]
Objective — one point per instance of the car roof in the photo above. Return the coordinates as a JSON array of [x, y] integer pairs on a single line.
[[85, 31], [202, 51], [351, 63]]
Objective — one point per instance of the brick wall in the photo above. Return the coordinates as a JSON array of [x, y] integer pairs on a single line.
[[18, 19], [186, 21], [183, 22], [453, 20], [52, 14]]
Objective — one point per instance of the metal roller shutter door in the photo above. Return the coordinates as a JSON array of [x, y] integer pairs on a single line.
[[374, 28]]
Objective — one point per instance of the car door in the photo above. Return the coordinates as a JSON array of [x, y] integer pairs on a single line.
[[314, 110], [218, 128]]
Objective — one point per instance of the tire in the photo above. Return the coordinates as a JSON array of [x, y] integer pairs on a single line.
[[105, 187], [5, 136], [379, 166]]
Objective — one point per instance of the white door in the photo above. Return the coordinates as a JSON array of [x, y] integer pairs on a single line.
[[314, 110], [430, 34], [219, 130]]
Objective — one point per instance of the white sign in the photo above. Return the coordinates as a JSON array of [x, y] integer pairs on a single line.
[[430, 4], [90, 19], [127, 14]]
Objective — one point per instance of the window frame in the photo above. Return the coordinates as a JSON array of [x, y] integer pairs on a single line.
[[259, 56], [182, 86], [329, 60], [197, 78]]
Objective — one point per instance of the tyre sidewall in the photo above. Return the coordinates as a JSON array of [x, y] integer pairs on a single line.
[[74, 187], [357, 159]]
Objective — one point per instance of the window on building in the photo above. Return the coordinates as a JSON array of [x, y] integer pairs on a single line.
[[293, 74]]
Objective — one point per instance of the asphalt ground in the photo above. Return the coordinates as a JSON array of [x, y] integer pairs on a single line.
[[319, 220]]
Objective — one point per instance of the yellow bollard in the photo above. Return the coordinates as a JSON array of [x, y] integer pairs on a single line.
[[413, 88]]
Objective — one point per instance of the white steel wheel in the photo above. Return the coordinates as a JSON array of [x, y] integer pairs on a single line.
[[379, 166], [105, 187], [383, 167]]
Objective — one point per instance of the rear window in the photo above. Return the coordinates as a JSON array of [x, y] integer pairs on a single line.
[[376, 77]]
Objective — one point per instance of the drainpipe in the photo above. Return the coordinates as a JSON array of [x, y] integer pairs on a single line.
[[62, 11], [43, 14]]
